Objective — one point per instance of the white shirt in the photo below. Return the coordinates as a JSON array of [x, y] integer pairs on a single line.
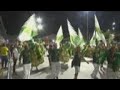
[[16, 53]]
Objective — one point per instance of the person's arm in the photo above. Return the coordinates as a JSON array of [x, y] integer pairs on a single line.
[[9, 53], [82, 57], [21, 55]]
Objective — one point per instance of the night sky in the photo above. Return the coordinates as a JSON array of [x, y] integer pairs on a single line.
[[13, 20]]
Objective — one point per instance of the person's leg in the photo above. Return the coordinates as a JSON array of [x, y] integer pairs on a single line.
[[24, 70], [14, 65], [53, 69], [2, 58], [49, 63], [110, 73], [29, 70], [77, 69], [95, 71], [58, 69], [6, 61]]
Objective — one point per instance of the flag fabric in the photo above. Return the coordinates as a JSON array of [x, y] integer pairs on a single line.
[[74, 38], [93, 40], [59, 36], [29, 30], [82, 42], [97, 35]]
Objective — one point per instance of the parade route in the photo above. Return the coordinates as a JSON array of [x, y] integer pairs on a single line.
[[67, 72]]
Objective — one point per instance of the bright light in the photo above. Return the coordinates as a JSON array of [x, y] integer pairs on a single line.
[[113, 23], [86, 12], [40, 27], [39, 20], [113, 28], [53, 41]]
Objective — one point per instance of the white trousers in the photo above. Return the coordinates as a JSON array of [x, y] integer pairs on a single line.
[[56, 67], [77, 69], [96, 70], [27, 69]]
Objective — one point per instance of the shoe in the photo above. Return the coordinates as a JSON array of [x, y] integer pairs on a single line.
[[56, 77], [92, 76]]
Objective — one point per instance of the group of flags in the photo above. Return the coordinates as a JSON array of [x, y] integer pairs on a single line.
[[78, 39], [29, 30]]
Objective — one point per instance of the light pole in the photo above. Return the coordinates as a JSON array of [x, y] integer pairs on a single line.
[[87, 27], [87, 12]]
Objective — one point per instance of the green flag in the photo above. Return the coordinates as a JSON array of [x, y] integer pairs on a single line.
[[29, 30], [59, 36], [97, 35], [74, 38], [82, 42]]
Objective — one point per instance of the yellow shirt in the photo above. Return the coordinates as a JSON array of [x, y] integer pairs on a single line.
[[4, 51]]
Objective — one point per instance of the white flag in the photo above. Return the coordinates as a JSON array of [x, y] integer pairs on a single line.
[[29, 30], [74, 38], [82, 42], [59, 36]]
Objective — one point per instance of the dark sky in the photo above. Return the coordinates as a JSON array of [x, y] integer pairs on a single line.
[[13, 20]]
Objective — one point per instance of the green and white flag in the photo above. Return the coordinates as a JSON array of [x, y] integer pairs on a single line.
[[93, 39], [59, 36], [97, 35], [82, 42], [74, 38], [29, 30]]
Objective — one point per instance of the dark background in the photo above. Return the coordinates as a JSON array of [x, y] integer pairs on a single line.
[[13, 20]]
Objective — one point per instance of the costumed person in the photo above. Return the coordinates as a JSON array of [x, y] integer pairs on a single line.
[[25, 54], [116, 64], [15, 58], [112, 60], [95, 63], [98, 56], [77, 61], [55, 64]]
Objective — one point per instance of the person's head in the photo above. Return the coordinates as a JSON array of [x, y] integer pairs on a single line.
[[55, 45], [113, 48], [50, 46], [26, 46], [78, 48]]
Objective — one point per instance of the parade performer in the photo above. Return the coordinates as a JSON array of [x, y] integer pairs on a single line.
[[113, 63], [77, 61], [55, 64], [25, 54], [95, 63]]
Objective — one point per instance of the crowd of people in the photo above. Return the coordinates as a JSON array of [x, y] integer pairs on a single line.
[[22, 52]]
